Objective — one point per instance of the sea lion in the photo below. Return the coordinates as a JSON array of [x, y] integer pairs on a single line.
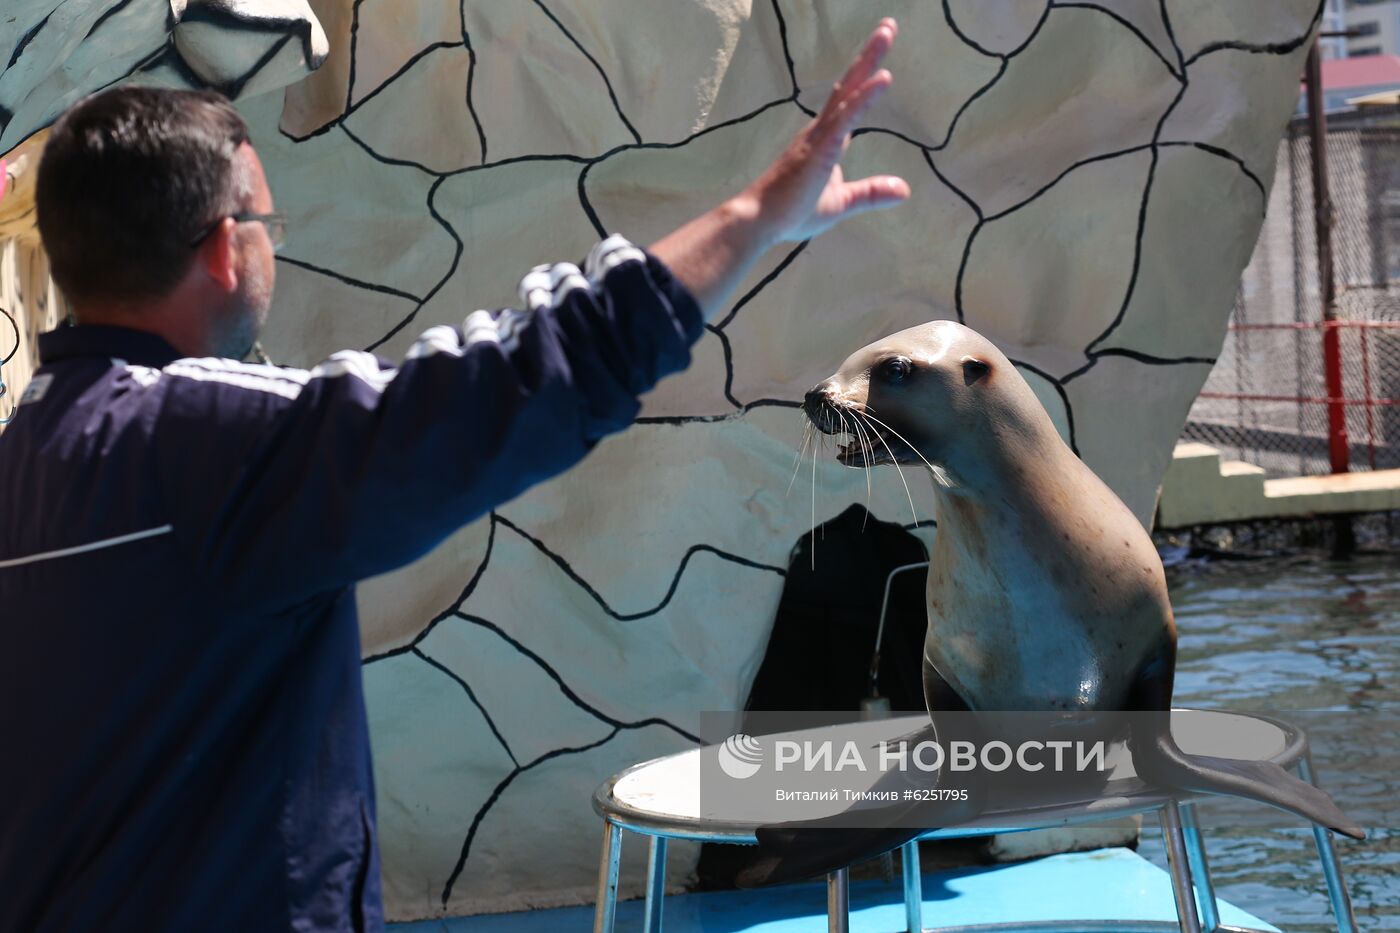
[[1044, 591]]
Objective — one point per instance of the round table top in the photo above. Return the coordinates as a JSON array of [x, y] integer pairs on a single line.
[[663, 796]]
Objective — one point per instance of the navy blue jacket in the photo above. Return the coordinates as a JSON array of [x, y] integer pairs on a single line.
[[181, 714]]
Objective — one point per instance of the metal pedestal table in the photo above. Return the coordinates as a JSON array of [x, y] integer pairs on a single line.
[[660, 799]]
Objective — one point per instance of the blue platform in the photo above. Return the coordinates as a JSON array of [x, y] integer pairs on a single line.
[[1108, 884]]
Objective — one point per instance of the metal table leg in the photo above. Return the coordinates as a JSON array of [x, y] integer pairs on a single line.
[[656, 883], [913, 887], [1180, 870], [1331, 867], [606, 911], [838, 901], [1200, 867]]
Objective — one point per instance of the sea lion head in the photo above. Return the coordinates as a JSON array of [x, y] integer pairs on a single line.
[[925, 395]]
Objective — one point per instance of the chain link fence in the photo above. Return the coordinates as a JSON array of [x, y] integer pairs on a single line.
[[1266, 401]]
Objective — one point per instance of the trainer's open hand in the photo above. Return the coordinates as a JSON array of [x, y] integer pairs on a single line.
[[804, 193], [799, 196]]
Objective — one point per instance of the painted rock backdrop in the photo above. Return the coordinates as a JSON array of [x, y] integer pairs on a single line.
[[1089, 179]]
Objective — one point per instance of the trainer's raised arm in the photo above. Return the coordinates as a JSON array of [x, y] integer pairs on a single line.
[[801, 195]]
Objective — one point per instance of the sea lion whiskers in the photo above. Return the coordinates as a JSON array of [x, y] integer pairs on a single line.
[[897, 467], [807, 432], [868, 454], [820, 441], [940, 475], [865, 461]]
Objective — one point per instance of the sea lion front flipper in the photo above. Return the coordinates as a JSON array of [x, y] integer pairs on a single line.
[[1159, 760], [798, 850]]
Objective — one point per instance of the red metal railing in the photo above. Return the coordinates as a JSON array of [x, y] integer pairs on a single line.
[[1336, 398]]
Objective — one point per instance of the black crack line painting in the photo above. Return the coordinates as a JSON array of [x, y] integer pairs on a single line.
[[1176, 68], [1178, 71]]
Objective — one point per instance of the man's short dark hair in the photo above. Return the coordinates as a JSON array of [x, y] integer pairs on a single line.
[[128, 178]]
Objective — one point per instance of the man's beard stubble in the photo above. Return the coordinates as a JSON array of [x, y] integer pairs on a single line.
[[247, 315]]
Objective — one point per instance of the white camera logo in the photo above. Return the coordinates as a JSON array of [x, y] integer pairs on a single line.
[[740, 756]]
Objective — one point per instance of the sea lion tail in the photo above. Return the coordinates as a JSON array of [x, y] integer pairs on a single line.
[[1158, 760]]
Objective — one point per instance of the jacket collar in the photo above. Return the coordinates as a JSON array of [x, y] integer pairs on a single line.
[[123, 343]]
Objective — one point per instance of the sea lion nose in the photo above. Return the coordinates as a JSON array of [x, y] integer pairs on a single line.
[[817, 403]]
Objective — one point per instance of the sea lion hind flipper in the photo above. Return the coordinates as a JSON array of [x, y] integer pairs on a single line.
[[1158, 760], [925, 733]]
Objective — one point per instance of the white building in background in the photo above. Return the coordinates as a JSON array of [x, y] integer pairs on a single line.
[[1377, 23], [1361, 65], [1334, 19]]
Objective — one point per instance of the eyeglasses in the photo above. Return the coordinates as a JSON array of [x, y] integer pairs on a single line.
[[276, 224]]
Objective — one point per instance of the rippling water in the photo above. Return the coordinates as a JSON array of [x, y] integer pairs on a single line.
[[1288, 634]]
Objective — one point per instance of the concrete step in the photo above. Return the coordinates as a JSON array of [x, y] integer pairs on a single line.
[[1201, 489], [1376, 491]]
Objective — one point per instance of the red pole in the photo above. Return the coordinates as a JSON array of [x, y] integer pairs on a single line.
[[1338, 447], [1338, 444]]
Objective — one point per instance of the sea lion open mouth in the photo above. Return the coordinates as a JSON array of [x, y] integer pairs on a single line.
[[861, 441], [867, 445]]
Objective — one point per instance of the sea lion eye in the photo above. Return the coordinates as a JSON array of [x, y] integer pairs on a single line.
[[895, 369]]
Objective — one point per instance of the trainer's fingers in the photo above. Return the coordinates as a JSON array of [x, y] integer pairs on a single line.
[[873, 87], [873, 193], [876, 48], [839, 123], [874, 51]]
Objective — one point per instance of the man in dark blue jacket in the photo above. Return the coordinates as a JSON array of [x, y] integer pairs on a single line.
[[180, 700]]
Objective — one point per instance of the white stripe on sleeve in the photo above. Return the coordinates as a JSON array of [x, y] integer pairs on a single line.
[[610, 253], [438, 339], [357, 363], [233, 377]]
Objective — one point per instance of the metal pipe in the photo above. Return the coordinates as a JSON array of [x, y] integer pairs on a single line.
[[1200, 868], [838, 901], [656, 884], [1331, 867], [1326, 276], [1338, 446], [1180, 870], [913, 888], [880, 629], [1366, 392], [605, 913]]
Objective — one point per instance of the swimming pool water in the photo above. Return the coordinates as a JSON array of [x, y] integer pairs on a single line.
[[1287, 634]]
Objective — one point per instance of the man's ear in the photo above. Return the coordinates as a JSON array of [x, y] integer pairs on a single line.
[[973, 369], [218, 255]]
